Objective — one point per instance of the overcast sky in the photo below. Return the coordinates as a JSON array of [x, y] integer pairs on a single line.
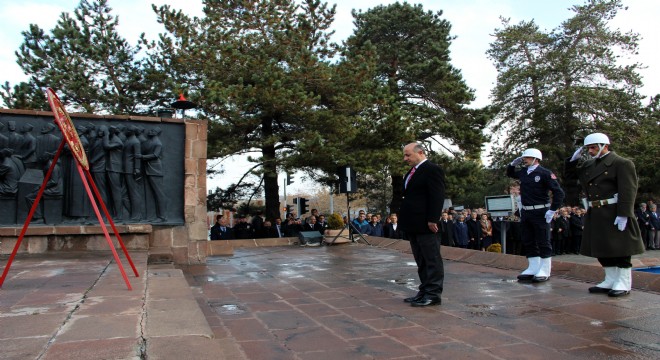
[[473, 22]]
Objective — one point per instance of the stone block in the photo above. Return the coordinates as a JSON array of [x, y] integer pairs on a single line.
[[161, 238], [180, 255], [197, 252], [199, 150], [203, 130], [180, 236], [9, 231], [39, 230], [192, 130], [7, 246], [197, 232], [190, 167], [189, 213], [68, 230], [220, 248], [160, 255], [37, 244], [187, 150]]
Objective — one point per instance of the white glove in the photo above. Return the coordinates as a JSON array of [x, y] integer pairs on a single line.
[[577, 154], [548, 216], [517, 161], [621, 222]]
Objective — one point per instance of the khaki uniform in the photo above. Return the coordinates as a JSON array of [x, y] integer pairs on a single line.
[[601, 179]]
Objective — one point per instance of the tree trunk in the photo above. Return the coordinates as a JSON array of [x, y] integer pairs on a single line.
[[271, 187]]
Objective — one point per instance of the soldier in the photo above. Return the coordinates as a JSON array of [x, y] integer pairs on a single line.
[[611, 233], [536, 213]]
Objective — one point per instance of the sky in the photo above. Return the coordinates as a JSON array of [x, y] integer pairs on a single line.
[[473, 23]]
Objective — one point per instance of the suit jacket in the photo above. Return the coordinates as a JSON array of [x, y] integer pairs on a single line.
[[218, 234], [395, 234], [446, 230], [565, 226], [422, 199]]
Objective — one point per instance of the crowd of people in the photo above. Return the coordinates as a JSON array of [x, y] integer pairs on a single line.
[[258, 227], [465, 228]]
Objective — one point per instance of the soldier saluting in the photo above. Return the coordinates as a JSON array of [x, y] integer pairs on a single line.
[[610, 232], [537, 211]]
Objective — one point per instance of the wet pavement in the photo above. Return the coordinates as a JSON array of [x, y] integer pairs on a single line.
[[330, 302]]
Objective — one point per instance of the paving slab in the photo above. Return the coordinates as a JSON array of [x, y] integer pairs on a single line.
[[346, 302], [330, 302]]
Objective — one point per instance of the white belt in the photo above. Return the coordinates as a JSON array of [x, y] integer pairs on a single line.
[[599, 203], [536, 207]]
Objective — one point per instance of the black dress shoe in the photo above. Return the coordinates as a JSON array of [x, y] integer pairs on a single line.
[[539, 279], [413, 298], [426, 301], [617, 293], [525, 277], [599, 290]]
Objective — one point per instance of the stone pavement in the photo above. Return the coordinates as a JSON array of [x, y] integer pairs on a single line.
[[331, 302]]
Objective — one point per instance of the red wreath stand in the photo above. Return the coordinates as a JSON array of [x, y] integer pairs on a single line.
[[70, 137]]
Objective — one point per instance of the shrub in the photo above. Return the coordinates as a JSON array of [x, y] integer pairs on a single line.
[[335, 222]]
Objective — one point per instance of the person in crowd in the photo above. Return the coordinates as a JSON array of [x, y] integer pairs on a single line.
[[374, 228], [610, 234], [514, 237], [243, 229], [563, 225], [312, 225], [642, 216], [360, 223], [576, 230], [257, 222], [292, 226], [486, 231], [394, 230], [323, 223], [279, 227], [423, 196], [446, 230], [537, 212], [474, 231], [654, 227], [266, 231], [220, 230], [460, 229]]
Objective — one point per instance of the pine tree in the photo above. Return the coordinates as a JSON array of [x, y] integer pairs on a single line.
[[91, 67]]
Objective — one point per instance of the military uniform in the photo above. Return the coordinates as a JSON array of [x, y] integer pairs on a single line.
[[535, 201], [601, 180]]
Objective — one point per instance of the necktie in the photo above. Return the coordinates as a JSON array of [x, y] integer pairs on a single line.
[[222, 228], [412, 172], [279, 234]]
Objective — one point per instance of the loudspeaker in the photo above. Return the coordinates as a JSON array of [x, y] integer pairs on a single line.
[[347, 180], [310, 238]]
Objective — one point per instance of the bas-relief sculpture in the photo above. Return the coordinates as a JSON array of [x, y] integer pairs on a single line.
[[125, 161]]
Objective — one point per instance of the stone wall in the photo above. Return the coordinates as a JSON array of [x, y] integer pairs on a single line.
[[181, 243]]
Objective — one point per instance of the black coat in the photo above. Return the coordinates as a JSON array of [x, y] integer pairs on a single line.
[[394, 234], [422, 199]]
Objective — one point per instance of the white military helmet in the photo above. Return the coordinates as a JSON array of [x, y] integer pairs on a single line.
[[596, 138], [535, 153]]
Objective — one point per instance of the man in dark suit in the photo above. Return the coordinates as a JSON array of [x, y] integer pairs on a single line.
[[393, 229], [423, 196], [220, 231], [312, 225], [446, 230]]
